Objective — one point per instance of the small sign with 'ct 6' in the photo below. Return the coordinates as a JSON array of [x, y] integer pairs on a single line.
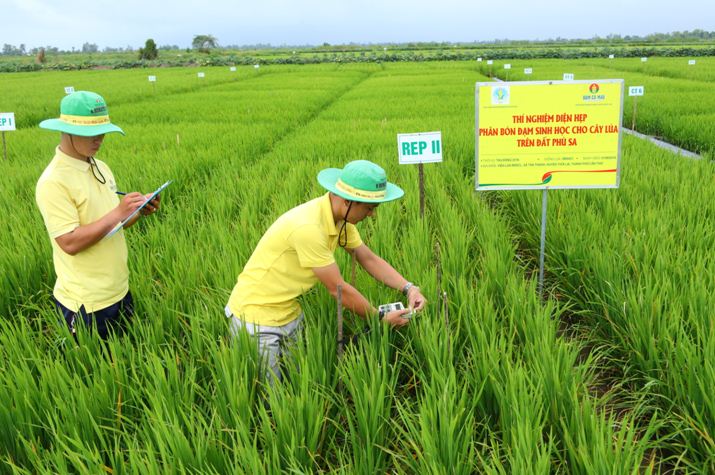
[[636, 90]]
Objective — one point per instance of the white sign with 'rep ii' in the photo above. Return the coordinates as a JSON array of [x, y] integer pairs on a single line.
[[424, 147]]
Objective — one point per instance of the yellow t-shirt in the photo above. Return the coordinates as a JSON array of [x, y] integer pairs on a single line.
[[69, 196], [280, 268]]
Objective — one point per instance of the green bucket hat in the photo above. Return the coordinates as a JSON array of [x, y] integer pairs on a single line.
[[360, 180], [82, 113]]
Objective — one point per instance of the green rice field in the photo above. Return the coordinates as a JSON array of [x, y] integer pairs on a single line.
[[611, 373]]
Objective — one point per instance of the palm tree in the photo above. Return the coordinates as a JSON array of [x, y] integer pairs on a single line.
[[204, 43]]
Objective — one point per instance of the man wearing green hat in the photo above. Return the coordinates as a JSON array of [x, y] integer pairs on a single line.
[[296, 252], [78, 198]]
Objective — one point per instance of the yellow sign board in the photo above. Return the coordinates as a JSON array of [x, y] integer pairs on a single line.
[[548, 134]]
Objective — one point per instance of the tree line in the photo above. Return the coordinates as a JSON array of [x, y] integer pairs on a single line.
[[206, 43]]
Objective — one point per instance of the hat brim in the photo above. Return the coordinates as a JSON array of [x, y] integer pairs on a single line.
[[81, 130], [329, 177]]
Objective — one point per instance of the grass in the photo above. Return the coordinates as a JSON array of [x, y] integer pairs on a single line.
[[496, 388]]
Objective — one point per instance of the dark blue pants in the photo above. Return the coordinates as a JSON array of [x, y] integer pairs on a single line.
[[112, 319]]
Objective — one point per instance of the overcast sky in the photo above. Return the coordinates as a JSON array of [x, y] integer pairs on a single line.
[[121, 23]]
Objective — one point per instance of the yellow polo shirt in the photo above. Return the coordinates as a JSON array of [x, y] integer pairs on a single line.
[[69, 196], [280, 268]]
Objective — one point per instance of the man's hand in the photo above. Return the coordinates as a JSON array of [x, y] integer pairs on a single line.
[[415, 299], [396, 318], [151, 207], [385, 273], [129, 204]]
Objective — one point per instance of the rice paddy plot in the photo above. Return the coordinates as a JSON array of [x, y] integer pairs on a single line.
[[490, 386]]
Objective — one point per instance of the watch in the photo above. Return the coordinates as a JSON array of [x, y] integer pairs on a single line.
[[407, 288]]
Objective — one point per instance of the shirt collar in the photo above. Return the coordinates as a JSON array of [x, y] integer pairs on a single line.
[[65, 159], [326, 210]]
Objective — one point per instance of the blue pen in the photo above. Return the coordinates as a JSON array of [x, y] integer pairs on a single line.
[[120, 192]]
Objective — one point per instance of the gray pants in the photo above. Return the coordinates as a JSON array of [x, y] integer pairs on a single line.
[[274, 343]]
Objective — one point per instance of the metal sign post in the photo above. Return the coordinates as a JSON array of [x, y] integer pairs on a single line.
[[635, 91], [542, 247]]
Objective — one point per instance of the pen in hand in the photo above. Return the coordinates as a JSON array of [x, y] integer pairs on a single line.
[[121, 192]]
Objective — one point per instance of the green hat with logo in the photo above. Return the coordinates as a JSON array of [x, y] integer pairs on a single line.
[[82, 113], [360, 180]]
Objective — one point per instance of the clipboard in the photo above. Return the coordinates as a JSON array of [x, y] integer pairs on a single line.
[[125, 220]]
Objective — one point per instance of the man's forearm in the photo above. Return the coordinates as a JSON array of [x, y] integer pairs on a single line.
[[87, 235], [353, 300], [380, 270]]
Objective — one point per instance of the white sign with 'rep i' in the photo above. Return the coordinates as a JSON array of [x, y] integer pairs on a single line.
[[69, 89], [507, 66], [636, 90], [691, 62], [424, 147], [527, 71], [200, 75], [490, 62], [232, 69], [7, 121], [152, 78], [568, 76]]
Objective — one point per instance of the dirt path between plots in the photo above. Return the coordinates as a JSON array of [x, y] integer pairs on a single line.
[[665, 145]]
